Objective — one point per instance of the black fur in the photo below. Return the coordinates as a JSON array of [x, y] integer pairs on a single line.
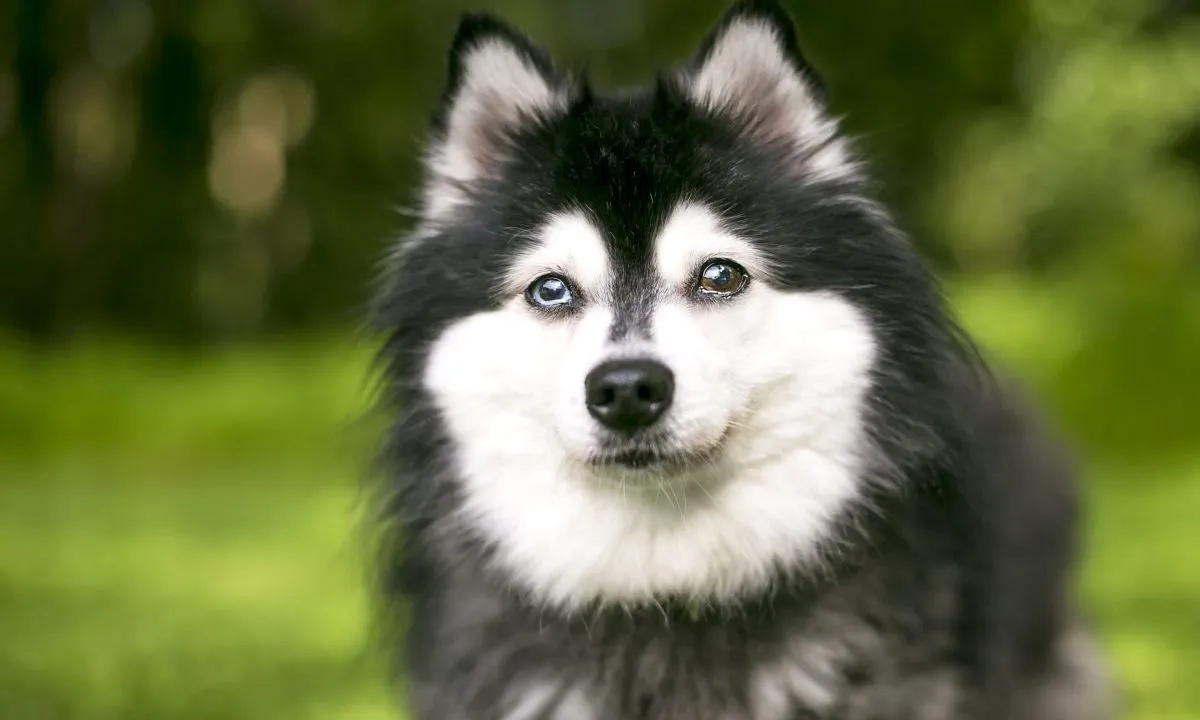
[[945, 595]]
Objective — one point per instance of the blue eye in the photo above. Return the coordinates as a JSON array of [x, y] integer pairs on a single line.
[[550, 292]]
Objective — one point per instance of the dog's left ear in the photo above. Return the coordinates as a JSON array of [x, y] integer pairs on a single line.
[[750, 69]]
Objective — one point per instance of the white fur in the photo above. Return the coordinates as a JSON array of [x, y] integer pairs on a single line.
[[574, 706], [531, 701], [548, 699], [747, 73], [568, 244], [694, 235], [499, 89], [807, 675], [778, 690], [774, 381]]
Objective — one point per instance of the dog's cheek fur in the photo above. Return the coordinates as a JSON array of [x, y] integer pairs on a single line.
[[490, 384], [792, 374]]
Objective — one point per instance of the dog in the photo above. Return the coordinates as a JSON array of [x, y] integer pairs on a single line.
[[681, 427]]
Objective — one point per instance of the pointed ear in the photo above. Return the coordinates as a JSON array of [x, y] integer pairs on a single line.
[[498, 82], [750, 70]]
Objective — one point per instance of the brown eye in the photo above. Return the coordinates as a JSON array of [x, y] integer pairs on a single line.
[[722, 278]]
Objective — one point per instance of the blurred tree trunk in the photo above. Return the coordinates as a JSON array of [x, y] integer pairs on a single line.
[[160, 240], [26, 257]]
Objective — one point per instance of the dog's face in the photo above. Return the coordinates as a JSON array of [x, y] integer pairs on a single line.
[[650, 328]]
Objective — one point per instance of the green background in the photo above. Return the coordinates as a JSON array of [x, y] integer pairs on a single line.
[[193, 197]]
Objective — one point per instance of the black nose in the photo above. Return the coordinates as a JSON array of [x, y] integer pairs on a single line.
[[629, 395]]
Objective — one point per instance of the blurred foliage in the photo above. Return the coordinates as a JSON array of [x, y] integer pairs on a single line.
[[1088, 170]]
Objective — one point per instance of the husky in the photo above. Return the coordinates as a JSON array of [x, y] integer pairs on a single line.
[[681, 427]]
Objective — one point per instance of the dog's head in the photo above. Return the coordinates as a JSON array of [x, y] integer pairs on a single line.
[[655, 344]]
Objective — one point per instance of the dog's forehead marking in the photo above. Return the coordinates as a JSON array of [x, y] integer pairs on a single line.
[[694, 233], [568, 243]]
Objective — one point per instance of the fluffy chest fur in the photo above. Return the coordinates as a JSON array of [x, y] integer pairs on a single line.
[[849, 653]]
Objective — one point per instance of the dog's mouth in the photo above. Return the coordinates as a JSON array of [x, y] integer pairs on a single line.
[[641, 459], [653, 456]]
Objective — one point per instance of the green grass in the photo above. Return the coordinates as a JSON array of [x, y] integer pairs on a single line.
[[178, 534], [209, 596]]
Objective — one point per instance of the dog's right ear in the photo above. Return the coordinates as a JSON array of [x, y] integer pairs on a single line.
[[498, 82]]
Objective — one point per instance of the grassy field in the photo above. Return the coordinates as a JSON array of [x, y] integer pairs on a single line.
[[178, 534]]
